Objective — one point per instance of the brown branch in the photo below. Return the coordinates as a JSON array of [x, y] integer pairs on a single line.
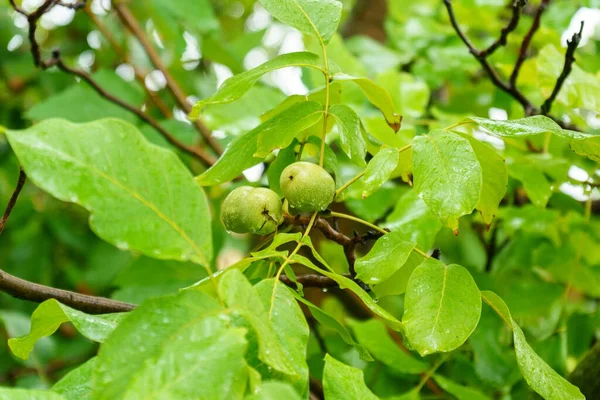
[[572, 45], [13, 199], [526, 42], [309, 280], [123, 55], [57, 62], [74, 6], [517, 6], [25, 290], [480, 55], [132, 24], [194, 151]]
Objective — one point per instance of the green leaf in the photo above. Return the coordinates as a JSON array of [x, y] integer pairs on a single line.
[[412, 217], [346, 283], [494, 178], [179, 367], [251, 148], [447, 175], [273, 390], [195, 16], [410, 95], [331, 322], [442, 307], [374, 336], [377, 95], [387, 256], [290, 326], [522, 127], [140, 196], [133, 344], [351, 132], [48, 317], [236, 86], [378, 170], [238, 293], [341, 381], [315, 18], [280, 131], [459, 391], [77, 384], [397, 283], [538, 375], [25, 394]]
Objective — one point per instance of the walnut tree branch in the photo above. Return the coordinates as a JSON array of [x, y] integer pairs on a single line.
[[13, 199], [56, 61], [25, 290], [517, 6], [131, 23], [572, 45], [481, 56]]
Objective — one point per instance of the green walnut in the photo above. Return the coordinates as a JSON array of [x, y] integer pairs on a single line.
[[252, 210], [307, 187]]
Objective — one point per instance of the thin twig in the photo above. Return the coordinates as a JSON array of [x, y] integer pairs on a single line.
[[160, 104], [517, 6], [196, 152], [56, 61], [526, 42], [481, 57], [572, 45], [25, 290], [13, 198], [131, 23]]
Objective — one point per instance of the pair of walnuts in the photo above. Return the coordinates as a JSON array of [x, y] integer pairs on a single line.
[[307, 187]]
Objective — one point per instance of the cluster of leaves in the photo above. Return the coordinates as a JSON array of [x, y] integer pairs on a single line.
[[240, 332]]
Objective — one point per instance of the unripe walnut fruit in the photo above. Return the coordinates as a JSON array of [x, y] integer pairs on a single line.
[[251, 210], [307, 187]]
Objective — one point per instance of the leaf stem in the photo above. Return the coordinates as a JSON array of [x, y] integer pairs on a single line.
[[456, 124], [288, 258], [427, 375], [360, 221], [547, 140], [326, 113], [349, 183]]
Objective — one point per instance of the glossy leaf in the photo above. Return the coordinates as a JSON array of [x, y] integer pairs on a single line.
[[77, 384], [351, 132], [236, 86], [51, 314], [388, 255], [179, 368], [341, 381], [377, 95], [378, 170], [397, 283], [412, 217], [522, 127], [447, 175], [140, 197], [538, 375], [133, 345], [283, 128], [273, 342], [290, 326], [331, 322], [494, 179], [316, 18], [346, 283], [442, 307], [251, 148], [374, 336]]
